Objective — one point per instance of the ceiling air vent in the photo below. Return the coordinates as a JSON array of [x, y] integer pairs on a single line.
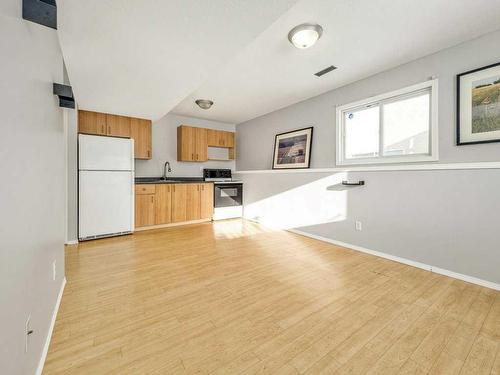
[[43, 12], [324, 71]]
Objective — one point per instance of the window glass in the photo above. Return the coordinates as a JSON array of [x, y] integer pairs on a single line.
[[362, 133], [406, 124]]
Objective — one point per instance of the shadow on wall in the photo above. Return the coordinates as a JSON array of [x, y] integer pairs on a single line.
[[318, 202]]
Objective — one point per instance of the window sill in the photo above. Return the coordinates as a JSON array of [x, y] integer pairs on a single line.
[[390, 160]]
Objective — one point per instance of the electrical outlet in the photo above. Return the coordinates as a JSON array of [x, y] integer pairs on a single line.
[[27, 333], [359, 225], [54, 270]]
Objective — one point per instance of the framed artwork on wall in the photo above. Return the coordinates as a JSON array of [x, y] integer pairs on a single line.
[[292, 150], [478, 105]]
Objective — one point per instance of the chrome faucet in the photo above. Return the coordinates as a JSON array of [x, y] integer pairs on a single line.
[[165, 170]]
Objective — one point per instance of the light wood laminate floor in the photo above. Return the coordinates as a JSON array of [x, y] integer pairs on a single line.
[[233, 297]]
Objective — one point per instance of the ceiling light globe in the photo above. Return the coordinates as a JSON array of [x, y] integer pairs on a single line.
[[305, 35], [204, 103]]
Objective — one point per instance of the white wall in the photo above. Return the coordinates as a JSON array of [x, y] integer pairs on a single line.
[[165, 148], [32, 188], [443, 218], [71, 127]]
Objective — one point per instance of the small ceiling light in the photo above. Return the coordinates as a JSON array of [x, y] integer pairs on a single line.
[[204, 103], [305, 35]]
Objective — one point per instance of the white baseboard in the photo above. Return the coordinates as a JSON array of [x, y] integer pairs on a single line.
[[51, 328], [71, 242], [441, 271]]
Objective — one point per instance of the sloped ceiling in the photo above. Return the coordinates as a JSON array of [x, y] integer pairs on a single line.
[[146, 58], [141, 58]]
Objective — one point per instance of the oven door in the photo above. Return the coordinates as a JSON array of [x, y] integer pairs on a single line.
[[228, 195]]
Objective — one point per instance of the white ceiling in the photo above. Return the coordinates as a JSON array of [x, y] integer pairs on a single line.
[[141, 58], [360, 37], [150, 57]]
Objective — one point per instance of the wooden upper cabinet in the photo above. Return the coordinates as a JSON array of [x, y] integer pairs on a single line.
[[179, 198], [213, 138], [206, 201], [140, 132], [185, 143], [191, 143], [118, 126], [163, 212], [229, 139], [91, 123], [201, 148], [220, 138]]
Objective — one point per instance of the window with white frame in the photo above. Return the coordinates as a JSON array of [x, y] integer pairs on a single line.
[[400, 126]]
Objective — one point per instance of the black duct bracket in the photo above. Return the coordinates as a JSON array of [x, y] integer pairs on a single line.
[[43, 12], [65, 94]]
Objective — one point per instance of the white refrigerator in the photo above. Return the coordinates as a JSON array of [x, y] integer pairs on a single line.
[[105, 186]]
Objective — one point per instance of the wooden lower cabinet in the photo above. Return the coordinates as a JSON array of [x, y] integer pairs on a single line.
[[158, 204], [179, 196], [193, 202], [163, 209], [206, 201], [144, 210]]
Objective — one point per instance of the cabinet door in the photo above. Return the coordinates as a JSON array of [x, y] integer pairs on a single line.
[[186, 143], [91, 123], [163, 209], [178, 202], [213, 138], [193, 202], [228, 139], [207, 201], [118, 126], [140, 132], [201, 144], [144, 210]]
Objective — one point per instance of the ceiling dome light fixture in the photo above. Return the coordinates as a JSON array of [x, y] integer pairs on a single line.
[[204, 103], [305, 35]]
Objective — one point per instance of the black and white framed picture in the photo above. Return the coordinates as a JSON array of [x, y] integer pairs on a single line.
[[293, 149], [478, 105]]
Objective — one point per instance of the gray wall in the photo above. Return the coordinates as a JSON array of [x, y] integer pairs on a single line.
[[165, 148], [446, 219], [320, 111], [32, 192]]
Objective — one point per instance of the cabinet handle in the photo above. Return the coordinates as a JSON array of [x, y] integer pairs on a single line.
[[149, 154], [192, 156], [109, 129], [196, 156], [152, 199]]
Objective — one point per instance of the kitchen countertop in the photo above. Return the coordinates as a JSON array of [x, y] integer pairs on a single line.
[[169, 180]]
